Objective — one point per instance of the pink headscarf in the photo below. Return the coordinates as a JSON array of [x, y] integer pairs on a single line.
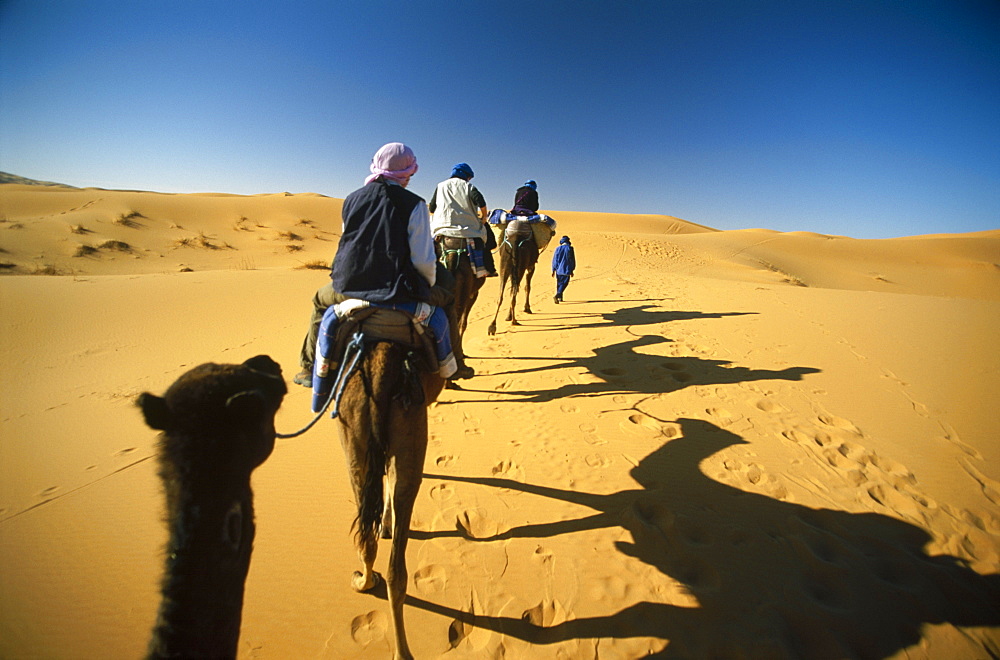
[[394, 161]]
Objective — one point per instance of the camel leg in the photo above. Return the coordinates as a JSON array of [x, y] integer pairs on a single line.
[[513, 300], [387, 506], [527, 288], [355, 445], [410, 438], [503, 284]]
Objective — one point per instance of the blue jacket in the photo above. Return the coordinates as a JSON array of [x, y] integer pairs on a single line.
[[564, 260]]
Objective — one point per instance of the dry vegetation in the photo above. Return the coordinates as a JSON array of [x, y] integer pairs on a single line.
[[129, 219]]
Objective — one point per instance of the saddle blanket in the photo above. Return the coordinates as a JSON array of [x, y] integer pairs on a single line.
[[327, 363], [542, 226], [501, 217], [468, 245]]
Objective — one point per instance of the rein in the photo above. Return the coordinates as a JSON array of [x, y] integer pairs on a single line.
[[355, 349]]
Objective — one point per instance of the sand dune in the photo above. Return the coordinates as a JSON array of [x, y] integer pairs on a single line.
[[724, 444]]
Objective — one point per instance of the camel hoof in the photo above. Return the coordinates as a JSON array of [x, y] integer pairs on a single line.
[[492, 330], [514, 322], [386, 533], [358, 581]]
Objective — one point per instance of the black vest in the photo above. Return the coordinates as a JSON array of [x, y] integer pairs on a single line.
[[373, 259]]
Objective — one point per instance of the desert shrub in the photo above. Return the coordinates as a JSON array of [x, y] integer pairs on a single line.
[[84, 250], [316, 264], [128, 219], [115, 245], [289, 236], [47, 269]]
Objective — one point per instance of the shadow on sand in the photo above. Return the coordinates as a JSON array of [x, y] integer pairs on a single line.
[[622, 367], [773, 579]]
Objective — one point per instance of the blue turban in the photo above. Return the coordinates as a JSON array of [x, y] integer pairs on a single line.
[[462, 171], [564, 240], [530, 183]]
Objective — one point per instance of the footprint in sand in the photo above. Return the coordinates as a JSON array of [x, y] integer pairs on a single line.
[[568, 408], [796, 436], [474, 525], [508, 470], [442, 493], [953, 438], [445, 460], [48, 491], [125, 452], [430, 579], [546, 614], [990, 487], [769, 406], [723, 415], [641, 424], [368, 628], [544, 555], [597, 460], [907, 505], [839, 423]]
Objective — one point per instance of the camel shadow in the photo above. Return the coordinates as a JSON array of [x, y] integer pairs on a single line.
[[621, 368], [771, 578]]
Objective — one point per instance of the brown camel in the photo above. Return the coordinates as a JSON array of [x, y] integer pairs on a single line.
[[454, 255], [217, 423], [518, 256], [383, 430]]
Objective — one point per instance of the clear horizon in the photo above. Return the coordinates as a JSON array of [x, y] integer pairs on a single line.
[[866, 119]]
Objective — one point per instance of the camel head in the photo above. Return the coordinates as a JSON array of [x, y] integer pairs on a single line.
[[217, 423], [218, 415]]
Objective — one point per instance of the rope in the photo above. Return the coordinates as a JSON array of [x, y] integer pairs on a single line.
[[356, 344]]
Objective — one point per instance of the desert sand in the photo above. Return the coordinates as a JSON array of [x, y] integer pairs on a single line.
[[725, 444]]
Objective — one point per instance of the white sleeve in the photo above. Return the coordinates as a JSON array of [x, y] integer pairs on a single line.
[[421, 243]]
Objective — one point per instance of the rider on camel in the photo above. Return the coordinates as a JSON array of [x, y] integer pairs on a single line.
[[459, 211], [385, 258]]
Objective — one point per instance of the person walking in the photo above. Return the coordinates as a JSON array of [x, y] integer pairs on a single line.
[[563, 265]]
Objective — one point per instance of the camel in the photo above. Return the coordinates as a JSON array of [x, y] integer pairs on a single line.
[[383, 430], [217, 423], [454, 255], [518, 256]]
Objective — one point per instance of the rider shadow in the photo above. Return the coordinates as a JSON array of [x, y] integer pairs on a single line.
[[771, 578], [621, 368], [646, 315]]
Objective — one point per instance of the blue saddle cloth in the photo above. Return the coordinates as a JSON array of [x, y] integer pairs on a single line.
[[502, 217]]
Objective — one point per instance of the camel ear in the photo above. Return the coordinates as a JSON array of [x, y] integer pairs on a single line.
[[246, 407], [154, 410], [263, 363]]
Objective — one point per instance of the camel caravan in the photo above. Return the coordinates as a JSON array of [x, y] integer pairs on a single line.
[[378, 365]]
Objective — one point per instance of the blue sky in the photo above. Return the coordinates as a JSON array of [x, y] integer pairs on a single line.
[[863, 118]]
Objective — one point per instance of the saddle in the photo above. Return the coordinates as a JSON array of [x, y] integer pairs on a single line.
[[453, 243], [381, 324]]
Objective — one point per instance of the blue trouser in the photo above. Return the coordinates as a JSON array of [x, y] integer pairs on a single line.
[[562, 281], [324, 375]]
